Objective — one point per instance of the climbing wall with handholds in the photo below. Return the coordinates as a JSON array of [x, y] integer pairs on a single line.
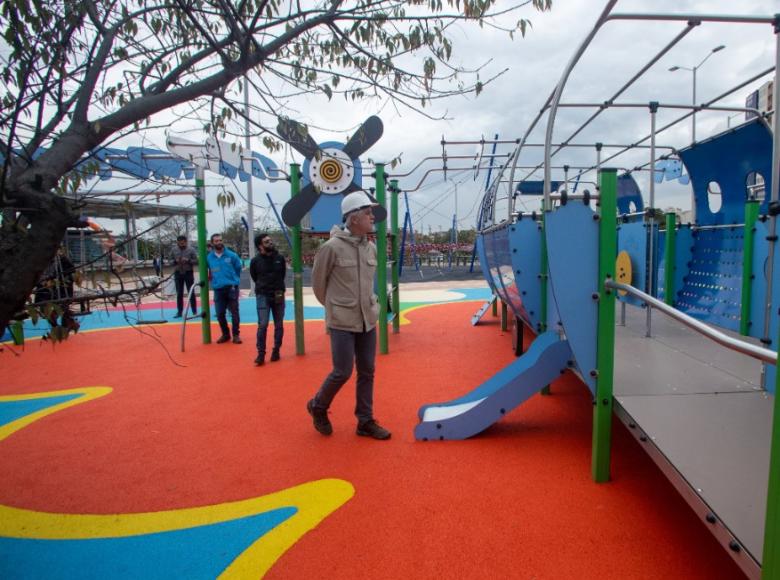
[[712, 286]]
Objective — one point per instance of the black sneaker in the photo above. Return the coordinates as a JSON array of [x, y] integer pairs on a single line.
[[223, 339], [373, 429], [320, 417], [177, 315], [260, 360], [237, 339], [275, 355]]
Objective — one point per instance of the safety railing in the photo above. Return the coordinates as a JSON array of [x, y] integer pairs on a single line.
[[763, 354]]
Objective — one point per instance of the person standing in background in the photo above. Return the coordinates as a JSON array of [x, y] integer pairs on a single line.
[[184, 258], [225, 274]]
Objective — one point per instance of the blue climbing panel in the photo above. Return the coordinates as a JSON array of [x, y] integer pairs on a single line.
[[712, 287]]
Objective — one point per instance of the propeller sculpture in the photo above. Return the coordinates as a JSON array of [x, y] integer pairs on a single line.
[[330, 168]]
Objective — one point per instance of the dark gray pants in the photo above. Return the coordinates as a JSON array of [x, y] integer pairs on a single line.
[[345, 347]]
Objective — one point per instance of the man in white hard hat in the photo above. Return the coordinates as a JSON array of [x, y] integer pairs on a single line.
[[343, 281]]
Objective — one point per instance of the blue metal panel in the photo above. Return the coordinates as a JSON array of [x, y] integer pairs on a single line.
[[758, 296], [728, 159], [629, 198], [530, 187], [712, 287], [499, 266], [660, 269], [632, 238], [483, 261], [683, 245], [572, 250], [525, 242], [774, 323]]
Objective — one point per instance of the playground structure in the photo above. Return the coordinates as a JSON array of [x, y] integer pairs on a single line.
[[593, 254]]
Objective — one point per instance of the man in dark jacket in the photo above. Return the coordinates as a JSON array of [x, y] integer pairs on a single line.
[[184, 258], [268, 269]]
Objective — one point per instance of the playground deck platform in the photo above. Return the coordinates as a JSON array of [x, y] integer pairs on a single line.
[[125, 458], [699, 410]]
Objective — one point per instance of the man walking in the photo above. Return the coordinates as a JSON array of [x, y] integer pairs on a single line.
[[225, 272], [184, 258], [343, 281], [268, 269]]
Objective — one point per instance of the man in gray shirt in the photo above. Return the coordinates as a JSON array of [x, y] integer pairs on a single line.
[[184, 258]]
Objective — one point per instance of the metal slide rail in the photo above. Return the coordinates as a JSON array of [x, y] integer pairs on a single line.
[[763, 354]]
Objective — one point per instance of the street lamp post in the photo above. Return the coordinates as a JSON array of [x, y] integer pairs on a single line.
[[693, 70], [693, 115]]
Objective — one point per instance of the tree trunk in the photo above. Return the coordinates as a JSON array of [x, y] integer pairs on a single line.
[[27, 247]]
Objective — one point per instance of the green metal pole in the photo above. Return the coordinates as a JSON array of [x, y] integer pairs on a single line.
[[770, 563], [396, 256], [543, 284], [605, 340], [494, 310], [203, 267], [17, 332], [670, 251], [297, 263], [381, 253], [751, 215], [504, 317]]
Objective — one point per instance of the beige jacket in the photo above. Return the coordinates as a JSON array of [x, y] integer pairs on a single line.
[[343, 281]]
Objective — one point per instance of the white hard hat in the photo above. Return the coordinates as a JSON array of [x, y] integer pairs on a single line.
[[359, 200]]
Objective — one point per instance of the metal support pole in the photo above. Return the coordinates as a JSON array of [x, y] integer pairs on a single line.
[[670, 251], [203, 267], [748, 245], [605, 340], [297, 263], [650, 222], [381, 259], [395, 256], [504, 317], [250, 205], [771, 557]]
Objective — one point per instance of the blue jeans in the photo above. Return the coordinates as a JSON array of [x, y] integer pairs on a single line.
[[226, 298], [347, 347], [265, 307]]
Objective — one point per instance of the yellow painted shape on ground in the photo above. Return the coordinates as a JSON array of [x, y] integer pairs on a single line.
[[314, 501], [87, 394]]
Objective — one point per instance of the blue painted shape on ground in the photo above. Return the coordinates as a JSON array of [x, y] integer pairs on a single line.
[[101, 319], [13, 410], [199, 552], [572, 250], [543, 362]]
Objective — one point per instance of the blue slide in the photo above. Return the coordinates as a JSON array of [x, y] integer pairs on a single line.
[[543, 362]]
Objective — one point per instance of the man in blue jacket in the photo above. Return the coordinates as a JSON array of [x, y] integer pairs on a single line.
[[225, 274]]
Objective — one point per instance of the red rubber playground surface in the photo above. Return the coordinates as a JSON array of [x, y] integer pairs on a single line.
[[203, 428]]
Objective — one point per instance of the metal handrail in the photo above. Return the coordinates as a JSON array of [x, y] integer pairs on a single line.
[[763, 354]]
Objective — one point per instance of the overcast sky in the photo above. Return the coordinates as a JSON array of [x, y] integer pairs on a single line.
[[509, 104]]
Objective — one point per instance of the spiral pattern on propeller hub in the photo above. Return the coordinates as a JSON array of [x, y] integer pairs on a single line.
[[331, 170]]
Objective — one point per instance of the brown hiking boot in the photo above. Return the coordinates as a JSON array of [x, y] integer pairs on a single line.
[[320, 417], [373, 429]]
